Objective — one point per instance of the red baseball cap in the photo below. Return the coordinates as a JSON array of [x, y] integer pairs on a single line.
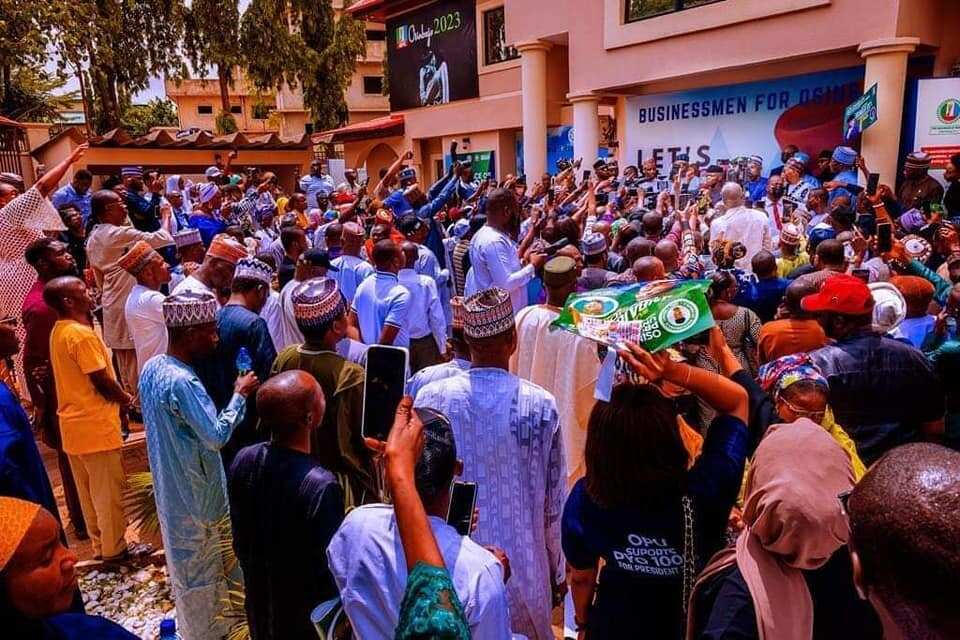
[[843, 294]]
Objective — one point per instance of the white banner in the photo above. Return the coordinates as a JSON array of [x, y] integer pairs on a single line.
[[938, 121], [757, 118]]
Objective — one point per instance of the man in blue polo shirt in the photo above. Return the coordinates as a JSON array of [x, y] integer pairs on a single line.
[[76, 194], [381, 307]]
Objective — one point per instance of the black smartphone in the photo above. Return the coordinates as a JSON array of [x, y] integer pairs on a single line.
[[884, 236], [552, 249], [873, 181], [586, 174], [386, 376], [863, 274], [550, 195], [463, 501]]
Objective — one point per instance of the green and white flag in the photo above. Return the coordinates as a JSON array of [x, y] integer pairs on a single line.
[[655, 314]]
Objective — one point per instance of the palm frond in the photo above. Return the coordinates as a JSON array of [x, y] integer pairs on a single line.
[[140, 504]]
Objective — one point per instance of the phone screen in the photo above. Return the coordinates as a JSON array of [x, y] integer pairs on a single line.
[[586, 174], [884, 236], [386, 375], [873, 180], [463, 500], [863, 274]]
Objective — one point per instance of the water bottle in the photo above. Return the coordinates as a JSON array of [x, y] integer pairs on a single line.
[[168, 630], [244, 361]]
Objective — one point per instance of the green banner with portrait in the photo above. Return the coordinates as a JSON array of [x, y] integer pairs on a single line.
[[655, 314]]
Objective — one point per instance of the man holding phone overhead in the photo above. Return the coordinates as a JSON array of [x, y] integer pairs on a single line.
[[368, 565], [505, 423]]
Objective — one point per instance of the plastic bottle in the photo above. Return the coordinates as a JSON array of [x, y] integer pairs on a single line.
[[244, 361], [168, 630]]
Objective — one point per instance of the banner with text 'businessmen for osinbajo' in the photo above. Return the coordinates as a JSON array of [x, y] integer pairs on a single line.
[[432, 55], [759, 118]]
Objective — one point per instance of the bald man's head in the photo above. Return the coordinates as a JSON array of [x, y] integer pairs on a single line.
[[905, 535], [290, 404], [410, 254], [638, 248], [649, 268], [668, 253]]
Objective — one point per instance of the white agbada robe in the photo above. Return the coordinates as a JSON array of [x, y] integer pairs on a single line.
[[508, 435], [567, 366]]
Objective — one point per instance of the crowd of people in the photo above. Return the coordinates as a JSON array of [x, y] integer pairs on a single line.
[[791, 473]]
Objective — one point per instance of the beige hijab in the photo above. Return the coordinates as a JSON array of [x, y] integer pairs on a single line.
[[793, 520]]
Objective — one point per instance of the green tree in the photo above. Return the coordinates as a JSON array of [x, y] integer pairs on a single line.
[[116, 46], [25, 27], [212, 38], [35, 96], [303, 43], [138, 119]]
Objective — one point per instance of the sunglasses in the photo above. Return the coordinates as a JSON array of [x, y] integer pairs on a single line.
[[844, 499]]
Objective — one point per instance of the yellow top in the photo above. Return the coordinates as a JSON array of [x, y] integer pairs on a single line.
[[89, 423]]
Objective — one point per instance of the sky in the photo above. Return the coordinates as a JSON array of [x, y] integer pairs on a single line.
[[155, 90]]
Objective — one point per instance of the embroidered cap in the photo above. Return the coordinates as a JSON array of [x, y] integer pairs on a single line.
[[16, 516], [213, 172], [407, 173], [559, 271], [790, 234], [187, 237], [917, 160], [488, 313], [593, 244], [254, 269], [190, 309], [208, 191], [844, 155], [226, 248], [137, 257], [131, 172], [317, 302]]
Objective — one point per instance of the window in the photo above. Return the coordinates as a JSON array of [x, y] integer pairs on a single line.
[[376, 36], [236, 108], [373, 85], [260, 111], [495, 47], [641, 9], [205, 109]]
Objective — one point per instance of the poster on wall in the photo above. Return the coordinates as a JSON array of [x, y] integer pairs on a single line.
[[938, 121], [860, 115], [559, 147], [432, 55], [725, 122], [482, 161]]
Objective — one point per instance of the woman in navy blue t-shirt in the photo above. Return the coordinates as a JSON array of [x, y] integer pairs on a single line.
[[652, 517]]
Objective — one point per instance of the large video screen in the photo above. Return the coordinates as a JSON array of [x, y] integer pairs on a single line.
[[432, 55]]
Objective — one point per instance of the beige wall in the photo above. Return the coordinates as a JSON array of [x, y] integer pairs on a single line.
[[730, 41], [190, 117]]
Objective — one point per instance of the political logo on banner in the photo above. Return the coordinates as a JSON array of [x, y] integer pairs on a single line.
[[860, 115], [756, 118], [937, 130], [482, 162], [432, 55]]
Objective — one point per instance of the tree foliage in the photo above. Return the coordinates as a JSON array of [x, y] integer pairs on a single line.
[[36, 96], [212, 39], [138, 119], [302, 43], [120, 44], [25, 27]]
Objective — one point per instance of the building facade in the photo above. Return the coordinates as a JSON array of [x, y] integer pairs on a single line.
[[283, 111], [710, 78]]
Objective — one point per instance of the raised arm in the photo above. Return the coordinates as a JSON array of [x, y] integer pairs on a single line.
[[192, 405], [51, 179], [391, 174]]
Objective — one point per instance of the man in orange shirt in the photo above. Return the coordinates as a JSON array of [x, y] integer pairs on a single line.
[[794, 331], [89, 403]]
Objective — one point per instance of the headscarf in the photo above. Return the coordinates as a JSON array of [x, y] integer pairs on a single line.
[[794, 522], [777, 375], [16, 516]]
